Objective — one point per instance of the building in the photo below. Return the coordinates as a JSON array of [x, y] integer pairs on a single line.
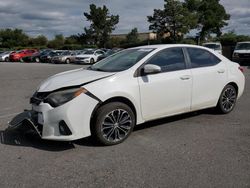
[[141, 36]]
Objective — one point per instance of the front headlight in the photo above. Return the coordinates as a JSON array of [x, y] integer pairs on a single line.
[[236, 55], [61, 97]]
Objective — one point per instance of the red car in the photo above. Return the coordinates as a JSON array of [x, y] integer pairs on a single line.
[[22, 53]]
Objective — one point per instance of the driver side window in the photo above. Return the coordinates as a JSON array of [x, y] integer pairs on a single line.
[[171, 59]]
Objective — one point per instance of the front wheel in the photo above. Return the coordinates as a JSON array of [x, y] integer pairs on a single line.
[[113, 123], [37, 60], [227, 100], [92, 61], [67, 61]]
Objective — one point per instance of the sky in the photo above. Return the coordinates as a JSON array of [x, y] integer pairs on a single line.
[[51, 17]]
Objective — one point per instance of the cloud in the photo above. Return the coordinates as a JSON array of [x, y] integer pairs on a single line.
[[49, 17]]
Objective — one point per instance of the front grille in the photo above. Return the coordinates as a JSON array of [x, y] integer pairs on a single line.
[[245, 55]]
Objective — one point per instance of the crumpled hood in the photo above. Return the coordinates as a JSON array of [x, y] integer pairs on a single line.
[[242, 51], [71, 78]]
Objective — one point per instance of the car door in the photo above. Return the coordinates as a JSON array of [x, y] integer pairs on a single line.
[[168, 92], [209, 77]]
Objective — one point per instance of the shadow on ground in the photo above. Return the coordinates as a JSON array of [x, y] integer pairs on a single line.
[[31, 139]]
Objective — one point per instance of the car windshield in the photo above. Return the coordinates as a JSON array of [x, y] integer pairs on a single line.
[[80, 52], [243, 46], [6, 52], [121, 61], [66, 53], [212, 46], [89, 52], [44, 52]]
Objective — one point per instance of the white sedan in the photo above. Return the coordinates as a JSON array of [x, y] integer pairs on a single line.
[[89, 56], [132, 87]]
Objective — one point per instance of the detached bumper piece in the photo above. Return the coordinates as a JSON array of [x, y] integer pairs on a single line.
[[26, 118]]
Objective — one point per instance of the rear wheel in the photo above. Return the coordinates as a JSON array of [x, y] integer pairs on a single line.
[[6, 59], [113, 123], [227, 100]]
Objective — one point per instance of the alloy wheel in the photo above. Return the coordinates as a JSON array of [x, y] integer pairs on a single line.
[[228, 99], [116, 125]]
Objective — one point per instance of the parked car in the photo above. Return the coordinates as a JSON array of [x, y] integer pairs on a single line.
[[216, 46], [17, 56], [241, 53], [36, 56], [107, 54], [65, 57], [48, 56], [90, 56], [132, 87], [5, 56]]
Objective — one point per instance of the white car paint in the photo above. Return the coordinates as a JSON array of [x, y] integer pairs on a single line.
[[5, 56], [153, 96], [214, 43], [86, 58]]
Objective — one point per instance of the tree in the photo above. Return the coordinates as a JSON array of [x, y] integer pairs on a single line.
[[40, 40], [212, 16], [174, 19], [133, 36], [102, 24], [57, 42], [10, 38]]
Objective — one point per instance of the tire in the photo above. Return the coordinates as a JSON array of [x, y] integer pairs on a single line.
[[6, 59], [37, 60], [113, 123], [92, 61], [67, 61], [21, 60], [227, 100]]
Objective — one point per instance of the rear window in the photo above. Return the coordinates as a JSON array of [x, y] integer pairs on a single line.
[[202, 58]]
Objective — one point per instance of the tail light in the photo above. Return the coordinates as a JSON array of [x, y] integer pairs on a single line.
[[241, 69]]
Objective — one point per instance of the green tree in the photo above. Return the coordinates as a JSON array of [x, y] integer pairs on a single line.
[[40, 40], [212, 16], [10, 38], [57, 42], [102, 24], [133, 36], [71, 40], [174, 19]]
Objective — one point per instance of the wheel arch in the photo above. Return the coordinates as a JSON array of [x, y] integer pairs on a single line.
[[234, 85], [114, 99]]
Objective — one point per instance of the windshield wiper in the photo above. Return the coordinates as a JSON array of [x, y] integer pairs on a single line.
[[95, 69]]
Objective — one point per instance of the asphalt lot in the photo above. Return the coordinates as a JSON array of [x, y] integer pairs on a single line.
[[200, 149]]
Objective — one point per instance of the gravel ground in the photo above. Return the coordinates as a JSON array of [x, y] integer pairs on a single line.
[[200, 149]]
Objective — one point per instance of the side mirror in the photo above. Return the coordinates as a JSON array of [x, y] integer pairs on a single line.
[[151, 69]]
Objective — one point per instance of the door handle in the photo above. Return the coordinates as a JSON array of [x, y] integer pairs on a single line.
[[186, 77], [221, 71]]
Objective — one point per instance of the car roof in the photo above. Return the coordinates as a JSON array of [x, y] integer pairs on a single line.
[[211, 43], [243, 42], [162, 46]]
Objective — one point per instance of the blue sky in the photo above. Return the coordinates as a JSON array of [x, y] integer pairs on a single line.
[[50, 17]]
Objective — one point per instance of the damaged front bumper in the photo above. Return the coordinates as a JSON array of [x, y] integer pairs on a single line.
[[28, 117]]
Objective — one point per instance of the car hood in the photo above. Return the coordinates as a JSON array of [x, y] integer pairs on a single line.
[[242, 51], [87, 56], [71, 78]]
